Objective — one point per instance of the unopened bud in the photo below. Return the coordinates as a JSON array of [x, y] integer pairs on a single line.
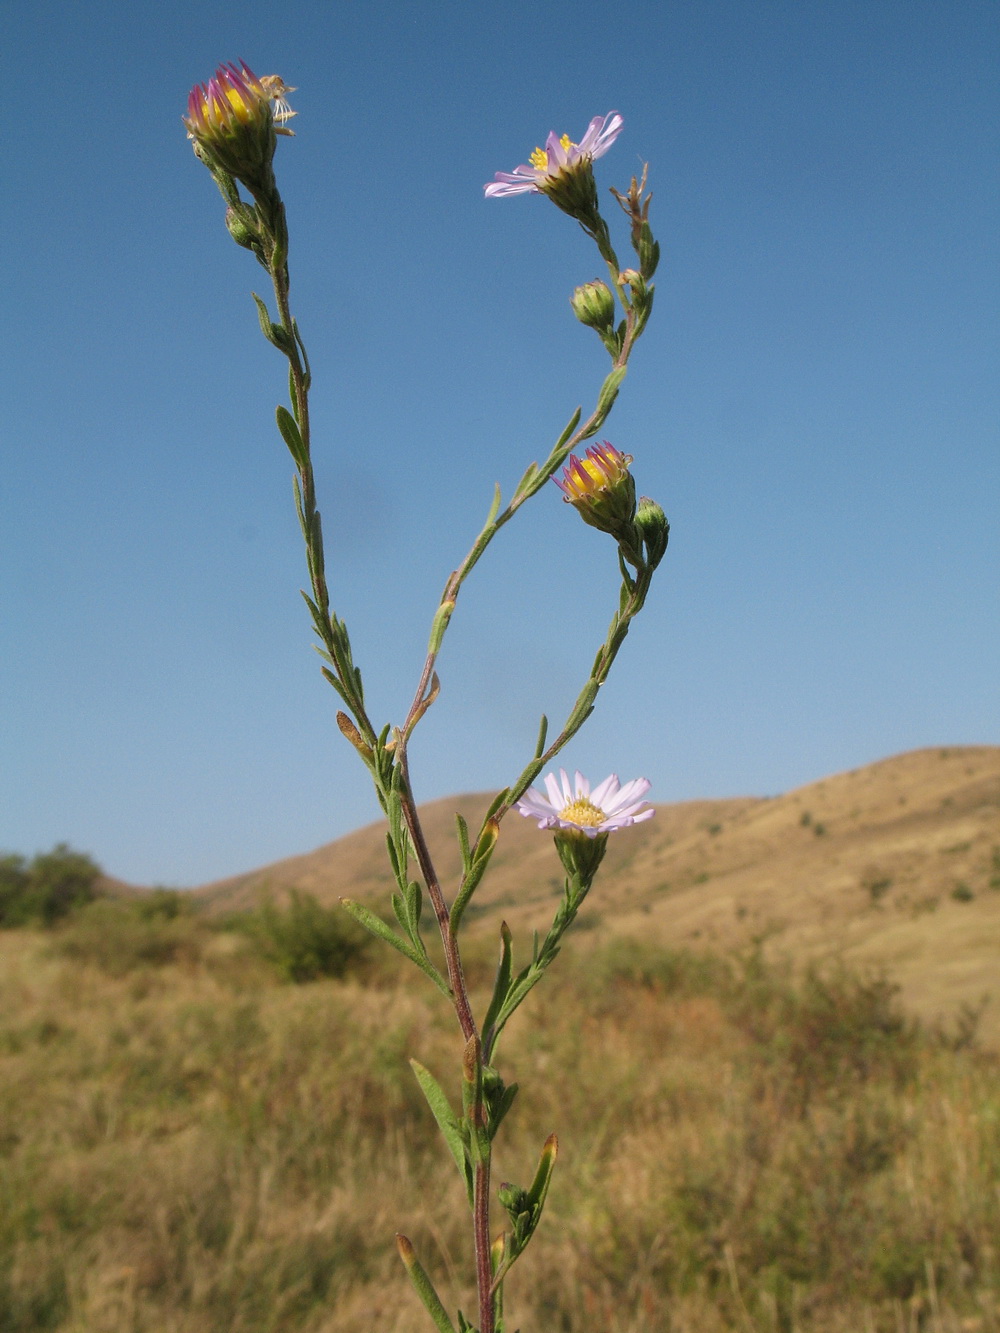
[[653, 528], [240, 231], [594, 305]]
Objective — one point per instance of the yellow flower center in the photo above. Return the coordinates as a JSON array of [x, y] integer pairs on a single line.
[[239, 105], [583, 812], [597, 475], [539, 159]]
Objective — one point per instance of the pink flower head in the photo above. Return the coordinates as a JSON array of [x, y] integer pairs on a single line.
[[551, 168], [603, 469], [233, 98], [608, 807]]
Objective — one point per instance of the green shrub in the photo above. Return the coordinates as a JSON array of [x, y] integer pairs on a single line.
[[52, 886], [305, 940]]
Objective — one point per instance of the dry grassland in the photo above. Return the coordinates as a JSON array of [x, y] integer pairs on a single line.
[[748, 1144]]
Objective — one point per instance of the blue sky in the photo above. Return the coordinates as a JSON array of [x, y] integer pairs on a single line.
[[815, 405]]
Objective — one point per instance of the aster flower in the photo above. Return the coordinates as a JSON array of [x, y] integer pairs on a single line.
[[563, 170], [231, 99], [600, 487], [231, 120], [608, 807], [603, 468]]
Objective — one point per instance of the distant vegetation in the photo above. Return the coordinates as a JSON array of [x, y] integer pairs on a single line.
[[302, 940], [188, 1142], [46, 889]]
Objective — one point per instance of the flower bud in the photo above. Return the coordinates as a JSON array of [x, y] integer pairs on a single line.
[[239, 229], [653, 528], [594, 305]]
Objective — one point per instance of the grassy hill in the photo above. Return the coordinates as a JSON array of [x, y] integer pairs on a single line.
[[190, 1143], [894, 866]]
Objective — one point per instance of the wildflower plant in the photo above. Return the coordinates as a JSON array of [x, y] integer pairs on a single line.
[[234, 121]]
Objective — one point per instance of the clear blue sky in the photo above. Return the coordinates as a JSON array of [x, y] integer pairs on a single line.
[[815, 405]]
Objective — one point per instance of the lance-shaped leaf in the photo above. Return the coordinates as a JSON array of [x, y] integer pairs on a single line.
[[274, 333], [524, 1208], [292, 436], [377, 926], [463, 842], [501, 987], [447, 1121], [606, 399], [543, 731], [483, 850], [423, 1285]]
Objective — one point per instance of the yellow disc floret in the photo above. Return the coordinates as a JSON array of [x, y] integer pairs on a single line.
[[539, 159], [583, 813]]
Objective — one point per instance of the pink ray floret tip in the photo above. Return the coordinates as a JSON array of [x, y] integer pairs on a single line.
[[608, 807], [559, 156]]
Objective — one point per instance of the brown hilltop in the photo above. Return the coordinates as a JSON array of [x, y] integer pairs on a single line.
[[894, 866]]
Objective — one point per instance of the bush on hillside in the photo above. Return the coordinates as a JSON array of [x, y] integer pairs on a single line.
[[305, 940], [49, 888]]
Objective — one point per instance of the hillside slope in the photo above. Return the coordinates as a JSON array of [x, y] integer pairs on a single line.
[[895, 866]]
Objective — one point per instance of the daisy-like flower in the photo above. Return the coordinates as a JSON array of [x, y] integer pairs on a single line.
[[603, 469], [231, 120], [600, 487], [562, 169], [608, 807], [231, 100]]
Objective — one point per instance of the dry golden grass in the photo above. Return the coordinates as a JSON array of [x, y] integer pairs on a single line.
[[194, 1147]]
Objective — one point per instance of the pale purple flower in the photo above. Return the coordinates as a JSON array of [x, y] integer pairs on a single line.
[[608, 807], [559, 157]]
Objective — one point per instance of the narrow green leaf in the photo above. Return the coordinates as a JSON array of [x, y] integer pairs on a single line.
[[393, 859], [292, 436], [424, 1286], [263, 314], [495, 805], [540, 1185], [543, 731], [316, 544], [495, 506], [571, 426], [502, 983], [307, 372], [447, 1121], [483, 850], [463, 841], [531, 472], [399, 908], [274, 333], [500, 1108], [378, 927], [414, 908], [299, 509], [609, 389], [329, 676]]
